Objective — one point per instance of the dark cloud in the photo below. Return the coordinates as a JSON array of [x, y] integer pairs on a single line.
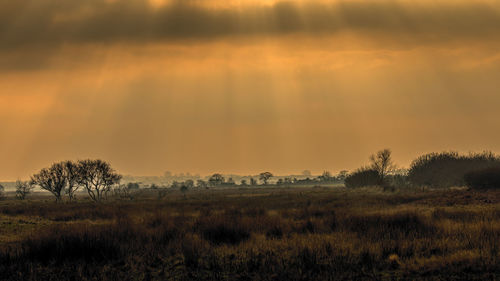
[[51, 23]]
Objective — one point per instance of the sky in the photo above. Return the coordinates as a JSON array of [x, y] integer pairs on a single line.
[[245, 86]]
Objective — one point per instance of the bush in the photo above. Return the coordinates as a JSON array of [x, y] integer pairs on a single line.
[[23, 189], [225, 234], [396, 226], [448, 169], [76, 243], [483, 179], [227, 229], [397, 180], [362, 177]]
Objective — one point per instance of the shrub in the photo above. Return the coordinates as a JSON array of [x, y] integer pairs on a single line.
[[395, 226], [223, 233], [227, 229], [62, 244], [23, 189], [448, 169], [397, 180], [276, 232], [362, 177], [484, 178], [133, 185]]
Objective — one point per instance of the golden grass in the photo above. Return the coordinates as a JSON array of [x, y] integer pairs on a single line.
[[257, 234]]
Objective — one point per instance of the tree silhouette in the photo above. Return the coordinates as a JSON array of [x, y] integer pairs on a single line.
[[216, 179], [265, 176], [201, 184], [72, 174], [325, 177], [253, 182], [382, 163], [23, 188], [189, 183], [184, 188], [52, 179], [342, 175], [97, 177]]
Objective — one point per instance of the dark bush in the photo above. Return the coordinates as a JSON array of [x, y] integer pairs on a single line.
[[397, 180], [363, 177], [395, 226], [225, 234], [225, 229], [448, 169], [483, 179], [275, 232], [63, 244]]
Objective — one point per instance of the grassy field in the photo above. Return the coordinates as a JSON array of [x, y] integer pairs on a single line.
[[322, 233]]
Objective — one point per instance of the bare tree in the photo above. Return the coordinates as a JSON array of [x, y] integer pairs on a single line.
[[342, 175], [133, 186], [72, 174], [382, 163], [162, 192], [175, 184], [189, 184], [253, 182], [201, 184], [124, 192], [265, 176], [52, 179], [325, 177], [97, 177], [216, 179], [23, 188], [184, 188]]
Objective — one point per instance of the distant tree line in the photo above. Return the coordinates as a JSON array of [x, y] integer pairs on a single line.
[[263, 179], [445, 169]]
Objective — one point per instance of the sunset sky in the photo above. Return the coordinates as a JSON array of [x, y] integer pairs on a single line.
[[245, 86]]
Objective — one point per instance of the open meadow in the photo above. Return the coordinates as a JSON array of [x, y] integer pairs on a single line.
[[247, 140], [255, 233]]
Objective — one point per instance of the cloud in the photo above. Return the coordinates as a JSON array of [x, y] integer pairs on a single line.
[[52, 23]]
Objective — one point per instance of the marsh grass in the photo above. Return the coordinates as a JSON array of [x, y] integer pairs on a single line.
[[303, 234]]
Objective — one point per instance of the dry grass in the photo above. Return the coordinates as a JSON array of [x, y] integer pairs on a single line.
[[285, 234]]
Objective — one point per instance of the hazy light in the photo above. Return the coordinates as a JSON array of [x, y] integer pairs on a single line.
[[296, 85]]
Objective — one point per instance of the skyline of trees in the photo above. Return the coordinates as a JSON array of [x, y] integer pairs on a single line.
[[97, 177]]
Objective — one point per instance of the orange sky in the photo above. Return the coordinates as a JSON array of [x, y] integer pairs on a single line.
[[204, 87]]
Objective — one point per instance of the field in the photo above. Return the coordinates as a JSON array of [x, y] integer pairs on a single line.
[[306, 233]]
